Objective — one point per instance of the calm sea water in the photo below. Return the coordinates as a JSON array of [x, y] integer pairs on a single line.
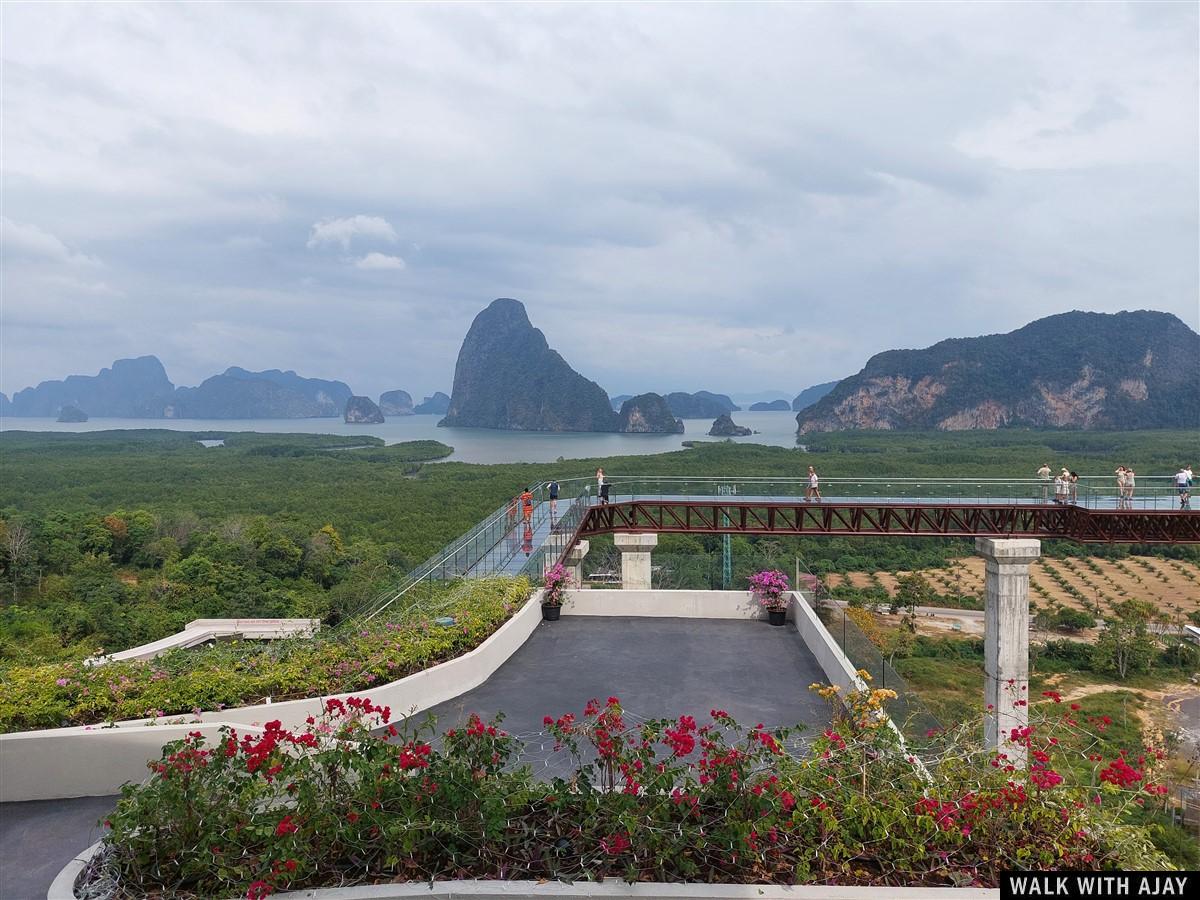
[[475, 445]]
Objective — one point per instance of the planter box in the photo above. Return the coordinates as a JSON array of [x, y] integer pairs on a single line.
[[62, 889]]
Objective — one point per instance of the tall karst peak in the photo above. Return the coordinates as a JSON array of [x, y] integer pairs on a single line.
[[508, 377]]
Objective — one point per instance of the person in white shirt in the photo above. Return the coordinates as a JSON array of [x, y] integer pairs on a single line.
[[1120, 486], [1044, 474], [813, 491], [1183, 485], [1060, 489]]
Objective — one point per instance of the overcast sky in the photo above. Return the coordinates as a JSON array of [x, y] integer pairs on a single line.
[[731, 197]]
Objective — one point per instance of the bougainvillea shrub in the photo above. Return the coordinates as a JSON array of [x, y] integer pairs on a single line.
[[354, 798], [190, 681], [769, 586]]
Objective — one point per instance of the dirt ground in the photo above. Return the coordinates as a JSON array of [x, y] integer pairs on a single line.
[[1173, 586]]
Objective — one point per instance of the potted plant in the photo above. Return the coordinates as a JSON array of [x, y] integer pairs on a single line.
[[769, 587], [554, 591]]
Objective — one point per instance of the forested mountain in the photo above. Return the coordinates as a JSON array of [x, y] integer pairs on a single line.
[[327, 396], [396, 403], [508, 377], [648, 414], [770, 406], [131, 388], [700, 405], [230, 397], [1125, 370], [811, 395], [139, 388], [435, 405]]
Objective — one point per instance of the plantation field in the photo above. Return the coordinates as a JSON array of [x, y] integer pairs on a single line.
[[1087, 583]]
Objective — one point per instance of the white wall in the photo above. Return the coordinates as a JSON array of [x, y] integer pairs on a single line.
[[671, 604], [91, 761]]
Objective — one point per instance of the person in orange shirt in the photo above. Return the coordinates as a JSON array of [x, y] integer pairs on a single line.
[[527, 505]]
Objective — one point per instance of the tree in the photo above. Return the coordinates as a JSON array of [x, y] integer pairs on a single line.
[[1068, 619], [18, 546], [913, 591], [1125, 644]]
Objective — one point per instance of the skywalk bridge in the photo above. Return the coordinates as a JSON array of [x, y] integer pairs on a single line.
[[505, 543]]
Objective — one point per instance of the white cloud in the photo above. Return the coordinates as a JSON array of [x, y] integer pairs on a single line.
[[375, 260], [31, 242], [926, 170], [343, 231]]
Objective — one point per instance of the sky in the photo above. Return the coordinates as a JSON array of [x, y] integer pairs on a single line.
[[732, 197]]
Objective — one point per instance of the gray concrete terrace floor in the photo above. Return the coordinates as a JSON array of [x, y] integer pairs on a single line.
[[39, 837], [659, 667]]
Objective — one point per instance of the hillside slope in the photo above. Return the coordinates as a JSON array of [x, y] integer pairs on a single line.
[[1125, 370]]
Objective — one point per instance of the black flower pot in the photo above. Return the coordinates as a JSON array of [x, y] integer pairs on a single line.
[[774, 616], [551, 612]]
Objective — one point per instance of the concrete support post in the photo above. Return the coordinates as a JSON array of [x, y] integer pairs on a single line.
[[635, 559], [575, 562], [1006, 640]]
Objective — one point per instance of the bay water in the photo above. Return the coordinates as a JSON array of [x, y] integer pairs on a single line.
[[474, 445]]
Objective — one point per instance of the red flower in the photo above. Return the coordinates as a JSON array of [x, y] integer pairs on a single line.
[[1120, 773], [352, 817], [615, 843], [258, 890], [285, 826]]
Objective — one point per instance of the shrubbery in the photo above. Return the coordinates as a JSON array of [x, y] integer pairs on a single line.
[[48, 696], [668, 800]]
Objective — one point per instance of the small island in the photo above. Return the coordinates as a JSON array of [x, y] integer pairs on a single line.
[[362, 411], [72, 414], [648, 414], [724, 426], [772, 406], [396, 403]]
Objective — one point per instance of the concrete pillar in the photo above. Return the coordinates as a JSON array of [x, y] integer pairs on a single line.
[[1006, 639], [635, 559], [575, 562]]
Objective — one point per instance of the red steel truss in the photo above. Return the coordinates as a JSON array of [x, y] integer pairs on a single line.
[[747, 516]]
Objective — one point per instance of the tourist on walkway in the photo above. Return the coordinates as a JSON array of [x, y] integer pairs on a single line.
[[1074, 485], [1044, 474], [1183, 486], [600, 485], [527, 505], [527, 539], [1060, 487], [813, 491], [1120, 473], [553, 490], [1130, 479]]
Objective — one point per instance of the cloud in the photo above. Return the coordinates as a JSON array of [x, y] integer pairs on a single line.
[[30, 241], [343, 231], [374, 260], [869, 175]]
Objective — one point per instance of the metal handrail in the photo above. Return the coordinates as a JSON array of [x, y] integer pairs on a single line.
[[477, 552]]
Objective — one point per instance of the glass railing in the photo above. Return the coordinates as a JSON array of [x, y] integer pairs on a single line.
[[911, 716], [1092, 492], [504, 543]]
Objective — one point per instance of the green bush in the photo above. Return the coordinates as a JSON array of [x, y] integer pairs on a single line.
[[49, 696]]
